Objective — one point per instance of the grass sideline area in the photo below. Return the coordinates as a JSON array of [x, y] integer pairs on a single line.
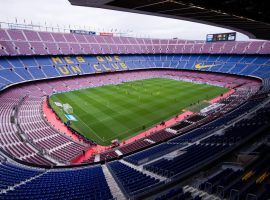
[[122, 111]]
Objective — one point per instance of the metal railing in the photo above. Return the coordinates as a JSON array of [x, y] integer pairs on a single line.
[[65, 29]]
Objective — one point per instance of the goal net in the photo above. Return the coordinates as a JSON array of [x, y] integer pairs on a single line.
[[67, 108]]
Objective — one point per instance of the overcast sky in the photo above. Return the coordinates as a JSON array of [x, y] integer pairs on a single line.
[[62, 13]]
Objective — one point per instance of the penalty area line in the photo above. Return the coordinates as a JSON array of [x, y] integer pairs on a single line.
[[90, 128]]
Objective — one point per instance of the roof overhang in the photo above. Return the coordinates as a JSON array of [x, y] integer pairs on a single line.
[[252, 28]]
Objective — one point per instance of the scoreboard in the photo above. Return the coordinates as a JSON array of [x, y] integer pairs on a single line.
[[221, 37]]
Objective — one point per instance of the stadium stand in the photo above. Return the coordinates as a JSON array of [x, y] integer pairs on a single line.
[[241, 183], [18, 70], [39, 132], [152, 153], [129, 178], [26, 42], [176, 193], [195, 154], [190, 156], [12, 174], [89, 183]]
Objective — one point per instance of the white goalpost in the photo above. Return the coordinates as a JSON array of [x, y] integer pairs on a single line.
[[67, 108]]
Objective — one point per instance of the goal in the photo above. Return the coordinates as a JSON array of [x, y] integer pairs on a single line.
[[67, 108]]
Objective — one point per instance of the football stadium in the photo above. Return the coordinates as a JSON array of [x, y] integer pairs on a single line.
[[100, 115]]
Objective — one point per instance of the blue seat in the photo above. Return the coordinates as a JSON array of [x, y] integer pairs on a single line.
[[130, 179]]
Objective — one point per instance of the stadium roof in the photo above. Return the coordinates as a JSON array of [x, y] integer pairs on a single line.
[[249, 17]]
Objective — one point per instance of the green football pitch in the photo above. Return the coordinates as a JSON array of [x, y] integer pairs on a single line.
[[122, 111]]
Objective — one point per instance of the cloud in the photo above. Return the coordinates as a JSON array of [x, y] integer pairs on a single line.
[[60, 12]]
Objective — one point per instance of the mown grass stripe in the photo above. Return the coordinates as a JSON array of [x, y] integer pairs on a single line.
[[121, 111]]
